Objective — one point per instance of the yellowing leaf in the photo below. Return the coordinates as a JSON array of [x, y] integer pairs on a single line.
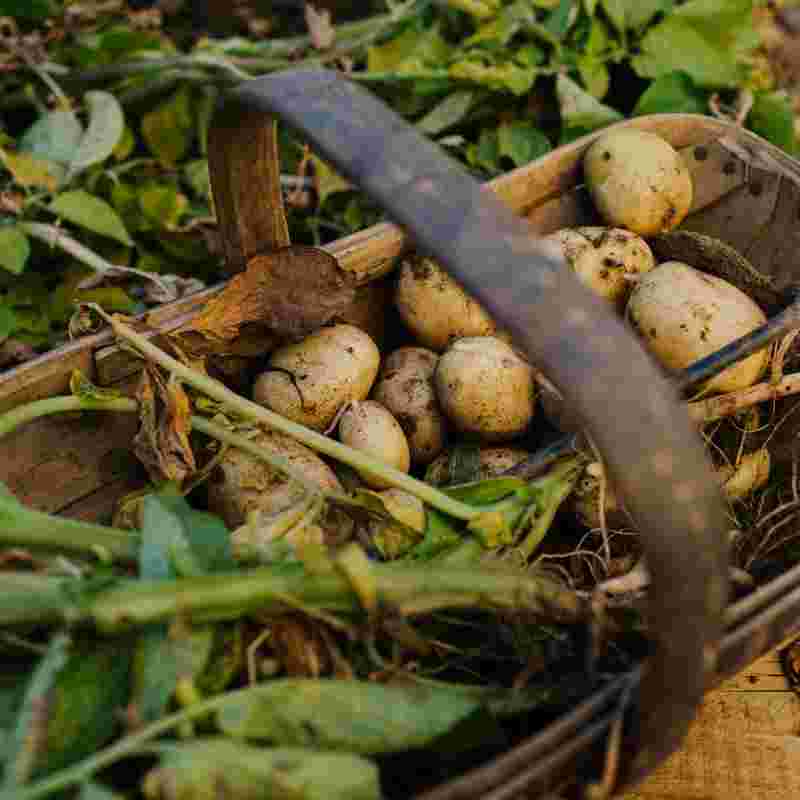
[[410, 52], [32, 172], [326, 180], [168, 131]]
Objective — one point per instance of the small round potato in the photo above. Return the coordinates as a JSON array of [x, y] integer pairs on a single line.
[[485, 388], [605, 259], [310, 381], [242, 483], [684, 315], [368, 426], [638, 181], [435, 308], [405, 387], [492, 462]]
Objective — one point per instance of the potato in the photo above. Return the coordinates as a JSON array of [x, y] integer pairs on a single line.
[[435, 308], [638, 181], [605, 259], [684, 315], [368, 426], [485, 388], [310, 381], [585, 501], [241, 483], [492, 461], [405, 387]]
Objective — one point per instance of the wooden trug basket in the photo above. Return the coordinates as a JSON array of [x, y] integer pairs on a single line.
[[746, 193]]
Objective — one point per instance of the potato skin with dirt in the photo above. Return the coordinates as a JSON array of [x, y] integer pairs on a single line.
[[492, 462], [605, 259], [405, 387], [310, 381], [684, 315], [638, 181], [241, 483], [485, 388], [435, 308], [368, 426]]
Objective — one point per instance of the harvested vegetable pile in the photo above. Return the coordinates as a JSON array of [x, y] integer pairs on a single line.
[[385, 555], [369, 562]]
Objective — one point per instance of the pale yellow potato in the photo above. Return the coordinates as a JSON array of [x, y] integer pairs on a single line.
[[492, 462], [638, 181], [405, 387], [485, 388], [684, 315], [241, 483], [606, 260], [310, 381], [435, 308], [370, 427]]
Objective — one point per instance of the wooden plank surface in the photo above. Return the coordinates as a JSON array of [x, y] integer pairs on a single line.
[[744, 744]]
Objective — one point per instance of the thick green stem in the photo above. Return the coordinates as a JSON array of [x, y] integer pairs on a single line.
[[27, 598], [316, 441], [413, 589]]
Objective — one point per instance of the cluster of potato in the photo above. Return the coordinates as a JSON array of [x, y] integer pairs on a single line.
[[461, 376]]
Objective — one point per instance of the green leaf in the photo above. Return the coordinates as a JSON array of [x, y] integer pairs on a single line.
[[30, 9], [104, 132], [168, 130], [672, 94], [410, 52], [594, 75], [350, 716], [562, 18], [501, 30], [634, 13], [772, 117], [504, 76], [447, 113], [162, 205], [217, 767], [704, 38], [125, 146], [196, 174], [92, 213], [15, 249], [579, 109], [441, 535], [30, 171], [70, 709], [95, 791], [55, 136]]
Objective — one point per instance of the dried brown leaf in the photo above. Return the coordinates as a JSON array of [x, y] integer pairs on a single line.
[[320, 28], [162, 443], [291, 291]]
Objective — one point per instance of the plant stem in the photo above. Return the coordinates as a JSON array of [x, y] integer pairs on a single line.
[[28, 598], [726, 405], [316, 441]]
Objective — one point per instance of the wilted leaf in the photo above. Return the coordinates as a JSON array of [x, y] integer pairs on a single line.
[[162, 443], [168, 130], [503, 76], [92, 213], [672, 94], [70, 708], [703, 38], [292, 291], [579, 109], [412, 51], [350, 716], [218, 767], [522, 142], [447, 113], [15, 249], [772, 117], [55, 136], [29, 171], [104, 132]]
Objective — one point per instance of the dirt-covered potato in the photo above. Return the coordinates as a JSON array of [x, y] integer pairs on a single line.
[[484, 387], [492, 462], [638, 181], [242, 483], [405, 387], [684, 315], [310, 381], [368, 426], [435, 308], [605, 259]]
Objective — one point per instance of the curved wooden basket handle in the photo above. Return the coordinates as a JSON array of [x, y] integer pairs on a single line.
[[630, 408]]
